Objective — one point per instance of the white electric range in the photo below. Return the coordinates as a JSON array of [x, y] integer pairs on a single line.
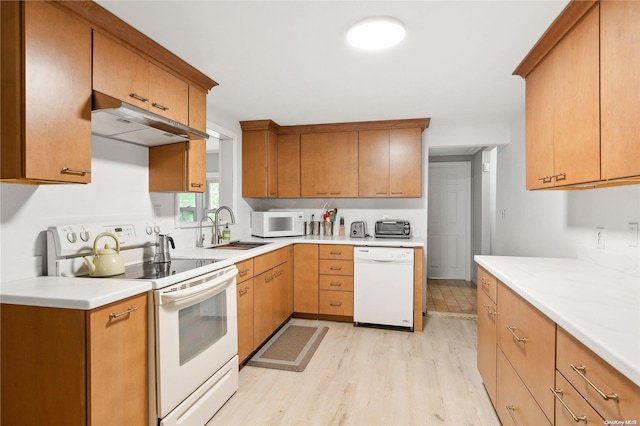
[[193, 362]]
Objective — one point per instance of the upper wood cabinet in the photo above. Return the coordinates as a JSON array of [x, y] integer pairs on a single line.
[[361, 159], [197, 108], [581, 108], [259, 164], [121, 73], [288, 166], [178, 167], [390, 163], [329, 165], [46, 95]]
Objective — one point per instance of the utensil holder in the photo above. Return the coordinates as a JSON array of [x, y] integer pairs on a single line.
[[327, 228]]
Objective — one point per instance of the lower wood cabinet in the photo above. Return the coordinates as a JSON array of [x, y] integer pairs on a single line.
[[305, 278], [515, 405], [75, 367], [335, 280], [244, 296], [571, 407], [487, 312]]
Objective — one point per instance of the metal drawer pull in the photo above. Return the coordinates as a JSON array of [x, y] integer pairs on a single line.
[[160, 106], [510, 410], [582, 370], [335, 283], [335, 268], [278, 273], [321, 193], [243, 291], [139, 97], [546, 179], [561, 176], [197, 185], [121, 314], [337, 253], [557, 393], [72, 171], [381, 193], [335, 303], [517, 338], [486, 307], [336, 193], [396, 192], [268, 278], [243, 272]]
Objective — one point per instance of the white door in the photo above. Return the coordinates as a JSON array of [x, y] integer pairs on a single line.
[[449, 222]]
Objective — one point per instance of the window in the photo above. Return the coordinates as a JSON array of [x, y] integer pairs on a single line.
[[192, 207]]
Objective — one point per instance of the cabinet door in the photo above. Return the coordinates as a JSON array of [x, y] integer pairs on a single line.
[[539, 125], [373, 163], [196, 166], [336, 303], [169, 96], [119, 72], [487, 311], [272, 164], [576, 137], [405, 162], [619, 88], [342, 170], [569, 403], [197, 108], [289, 166], [259, 164], [305, 278], [168, 167], [57, 140], [264, 306], [118, 357], [281, 295], [245, 318], [314, 165], [290, 259]]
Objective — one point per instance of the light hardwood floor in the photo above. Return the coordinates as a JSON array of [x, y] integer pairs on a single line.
[[369, 376]]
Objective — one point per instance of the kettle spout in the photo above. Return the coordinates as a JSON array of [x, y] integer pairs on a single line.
[[92, 267]]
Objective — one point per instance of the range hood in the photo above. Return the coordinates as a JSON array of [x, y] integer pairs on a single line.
[[115, 119]]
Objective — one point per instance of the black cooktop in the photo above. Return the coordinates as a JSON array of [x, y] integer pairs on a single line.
[[151, 270]]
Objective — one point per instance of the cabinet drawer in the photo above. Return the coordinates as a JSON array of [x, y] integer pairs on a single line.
[[269, 260], [527, 338], [602, 375], [245, 270], [515, 405], [488, 283], [335, 267], [336, 251], [336, 282], [487, 312], [569, 403], [336, 302]]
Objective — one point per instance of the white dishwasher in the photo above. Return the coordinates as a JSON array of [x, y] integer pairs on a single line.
[[383, 286]]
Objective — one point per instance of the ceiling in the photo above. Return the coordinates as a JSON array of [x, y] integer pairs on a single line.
[[288, 60]]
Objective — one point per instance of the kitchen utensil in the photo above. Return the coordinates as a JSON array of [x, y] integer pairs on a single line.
[[106, 262], [358, 229], [162, 248]]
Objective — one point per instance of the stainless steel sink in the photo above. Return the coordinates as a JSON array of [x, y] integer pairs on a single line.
[[239, 245]]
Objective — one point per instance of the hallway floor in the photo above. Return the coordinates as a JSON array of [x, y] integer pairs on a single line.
[[451, 296]]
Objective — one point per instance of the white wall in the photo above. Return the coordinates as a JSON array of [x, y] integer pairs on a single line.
[[561, 223]]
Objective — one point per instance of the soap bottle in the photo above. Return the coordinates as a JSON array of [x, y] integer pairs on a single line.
[[226, 233]]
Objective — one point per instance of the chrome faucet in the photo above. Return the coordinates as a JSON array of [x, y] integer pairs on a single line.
[[200, 241], [215, 238]]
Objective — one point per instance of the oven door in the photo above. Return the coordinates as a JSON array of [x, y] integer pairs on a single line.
[[196, 334]]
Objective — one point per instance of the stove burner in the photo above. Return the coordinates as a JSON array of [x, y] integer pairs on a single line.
[[151, 270]]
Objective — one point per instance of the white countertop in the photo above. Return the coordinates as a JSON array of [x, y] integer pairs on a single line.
[[91, 293], [598, 306]]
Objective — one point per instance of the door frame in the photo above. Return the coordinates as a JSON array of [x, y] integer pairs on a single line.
[[467, 213]]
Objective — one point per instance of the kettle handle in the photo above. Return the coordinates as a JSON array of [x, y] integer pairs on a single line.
[[105, 234], [173, 246]]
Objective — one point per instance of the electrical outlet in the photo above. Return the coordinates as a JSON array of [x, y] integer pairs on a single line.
[[632, 235], [600, 238]]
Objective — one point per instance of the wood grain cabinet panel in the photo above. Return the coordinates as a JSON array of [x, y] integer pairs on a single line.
[[305, 278], [46, 95], [336, 302], [373, 163], [245, 318], [487, 312], [515, 404], [197, 108], [619, 88], [570, 404], [528, 338], [405, 162], [259, 164], [289, 166], [329, 164], [98, 360], [335, 267], [169, 96], [607, 379], [336, 251], [488, 283], [178, 167]]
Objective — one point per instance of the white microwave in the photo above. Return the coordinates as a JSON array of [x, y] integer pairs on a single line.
[[277, 224]]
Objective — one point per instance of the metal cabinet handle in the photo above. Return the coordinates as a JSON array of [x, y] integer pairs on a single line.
[[268, 278], [396, 192], [243, 291], [139, 97], [335, 303], [560, 176], [486, 307], [517, 338], [244, 272], [335, 283], [381, 193], [160, 106], [582, 371], [278, 273], [546, 179], [337, 253], [485, 282], [121, 314], [335, 268], [335, 193], [72, 171], [557, 393], [321, 193], [512, 414], [197, 184]]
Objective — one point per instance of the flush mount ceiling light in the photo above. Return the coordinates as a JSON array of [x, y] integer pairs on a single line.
[[376, 32]]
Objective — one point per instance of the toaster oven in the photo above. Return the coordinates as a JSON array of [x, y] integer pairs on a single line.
[[393, 228]]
